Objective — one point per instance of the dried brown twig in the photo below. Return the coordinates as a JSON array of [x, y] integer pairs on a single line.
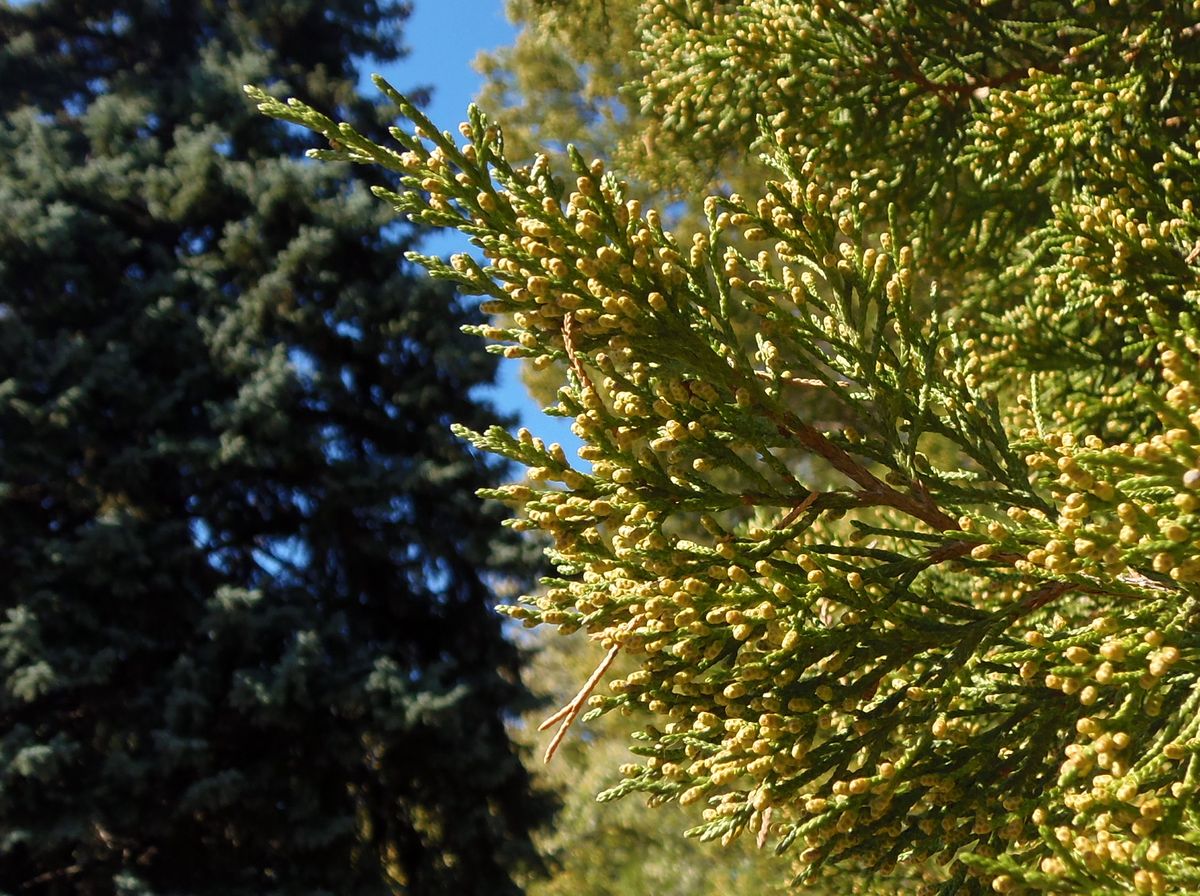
[[568, 713]]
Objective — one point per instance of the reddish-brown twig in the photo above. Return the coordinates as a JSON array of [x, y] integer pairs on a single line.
[[568, 334], [764, 829], [793, 514]]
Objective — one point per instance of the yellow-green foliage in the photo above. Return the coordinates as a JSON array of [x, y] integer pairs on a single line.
[[560, 81], [621, 846], [955, 625], [574, 75]]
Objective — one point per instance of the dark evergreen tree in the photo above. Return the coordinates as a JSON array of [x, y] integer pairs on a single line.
[[246, 643]]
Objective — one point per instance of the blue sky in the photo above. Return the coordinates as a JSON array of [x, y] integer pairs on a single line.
[[444, 36]]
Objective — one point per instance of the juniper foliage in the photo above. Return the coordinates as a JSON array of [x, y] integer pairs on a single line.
[[953, 626], [619, 846]]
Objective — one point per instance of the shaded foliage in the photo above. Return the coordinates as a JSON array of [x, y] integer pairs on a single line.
[[247, 643]]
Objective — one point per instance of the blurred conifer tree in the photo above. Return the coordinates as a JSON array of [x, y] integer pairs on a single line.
[[246, 636]]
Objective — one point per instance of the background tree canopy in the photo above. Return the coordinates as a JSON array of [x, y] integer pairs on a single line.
[[246, 641]]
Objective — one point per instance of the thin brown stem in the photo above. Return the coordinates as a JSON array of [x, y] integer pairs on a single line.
[[873, 487], [568, 334], [565, 716], [791, 516], [764, 829]]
